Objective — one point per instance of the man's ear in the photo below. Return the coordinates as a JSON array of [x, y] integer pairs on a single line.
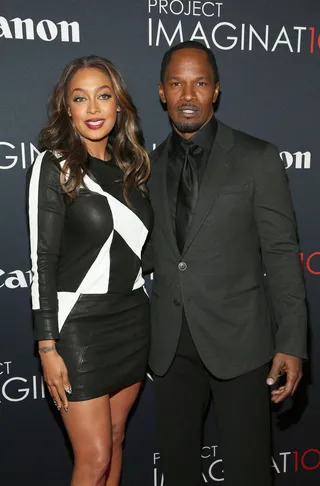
[[161, 93], [216, 93]]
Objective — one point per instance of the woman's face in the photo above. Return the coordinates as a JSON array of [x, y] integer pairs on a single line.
[[92, 104]]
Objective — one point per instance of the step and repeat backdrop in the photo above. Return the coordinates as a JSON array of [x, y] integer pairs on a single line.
[[269, 59]]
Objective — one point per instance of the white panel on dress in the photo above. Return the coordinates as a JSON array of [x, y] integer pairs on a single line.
[[66, 302], [96, 281], [125, 221], [97, 278], [33, 223], [139, 282]]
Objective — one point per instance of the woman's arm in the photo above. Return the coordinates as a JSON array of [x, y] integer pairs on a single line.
[[46, 212]]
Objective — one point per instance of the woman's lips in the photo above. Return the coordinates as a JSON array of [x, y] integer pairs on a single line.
[[94, 123]]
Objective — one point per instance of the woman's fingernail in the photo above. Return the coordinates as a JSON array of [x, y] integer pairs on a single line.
[[69, 389], [66, 409], [270, 381]]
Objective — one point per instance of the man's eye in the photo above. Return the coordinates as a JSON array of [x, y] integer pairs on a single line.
[[202, 83], [176, 83]]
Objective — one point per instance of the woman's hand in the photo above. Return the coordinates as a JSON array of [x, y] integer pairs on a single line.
[[55, 374]]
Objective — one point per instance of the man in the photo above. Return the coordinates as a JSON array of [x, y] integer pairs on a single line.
[[223, 217]]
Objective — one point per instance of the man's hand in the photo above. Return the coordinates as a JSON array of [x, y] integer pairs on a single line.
[[292, 366]]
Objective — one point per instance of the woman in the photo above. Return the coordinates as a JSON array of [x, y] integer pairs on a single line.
[[89, 219]]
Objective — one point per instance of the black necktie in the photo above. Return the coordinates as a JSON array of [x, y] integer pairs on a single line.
[[188, 191]]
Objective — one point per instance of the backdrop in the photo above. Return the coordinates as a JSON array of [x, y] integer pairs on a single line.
[[269, 58]]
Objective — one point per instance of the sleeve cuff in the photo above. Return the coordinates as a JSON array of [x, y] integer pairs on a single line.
[[45, 325]]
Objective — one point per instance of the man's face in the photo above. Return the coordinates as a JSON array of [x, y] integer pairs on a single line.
[[189, 90]]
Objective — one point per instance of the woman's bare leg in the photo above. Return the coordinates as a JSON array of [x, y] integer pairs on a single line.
[[121, 404], [88, 424]]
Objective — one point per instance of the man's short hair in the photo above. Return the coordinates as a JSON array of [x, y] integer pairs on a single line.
[[189, 45]]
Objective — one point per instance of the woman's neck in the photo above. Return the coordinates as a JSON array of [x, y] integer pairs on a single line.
[[98, 149]]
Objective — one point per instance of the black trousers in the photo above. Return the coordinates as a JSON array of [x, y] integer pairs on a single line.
[[242, 416]]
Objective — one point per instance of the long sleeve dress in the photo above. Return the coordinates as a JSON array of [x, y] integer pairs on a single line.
[[88, 291]]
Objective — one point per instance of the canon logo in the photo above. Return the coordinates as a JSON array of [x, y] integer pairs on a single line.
[[45, 30], [15, 279], [298, 160]]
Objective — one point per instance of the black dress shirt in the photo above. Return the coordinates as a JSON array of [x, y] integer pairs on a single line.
[[204, 139]]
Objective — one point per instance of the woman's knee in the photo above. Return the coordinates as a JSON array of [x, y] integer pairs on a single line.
[[102, 460], [118, 433], [95, 460]]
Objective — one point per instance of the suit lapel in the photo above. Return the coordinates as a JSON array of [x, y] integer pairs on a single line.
[[159, 193], [218, 167]]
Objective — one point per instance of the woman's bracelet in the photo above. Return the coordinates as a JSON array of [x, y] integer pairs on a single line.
[[47, 349]]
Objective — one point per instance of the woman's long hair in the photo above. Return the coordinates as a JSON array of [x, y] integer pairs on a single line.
[[125, 141]]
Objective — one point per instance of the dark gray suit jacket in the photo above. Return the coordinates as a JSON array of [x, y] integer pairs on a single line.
[[243, 225]]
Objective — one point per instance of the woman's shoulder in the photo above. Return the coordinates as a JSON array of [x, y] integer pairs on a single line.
[[49, 159], [47, 163]]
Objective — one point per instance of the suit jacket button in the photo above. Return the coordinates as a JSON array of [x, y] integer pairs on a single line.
[[176, 302], [182, 266]]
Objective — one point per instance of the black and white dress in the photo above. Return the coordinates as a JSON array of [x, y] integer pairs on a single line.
[[88, 290]]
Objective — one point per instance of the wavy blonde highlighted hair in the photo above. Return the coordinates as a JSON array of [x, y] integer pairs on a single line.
[[125, 141]]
